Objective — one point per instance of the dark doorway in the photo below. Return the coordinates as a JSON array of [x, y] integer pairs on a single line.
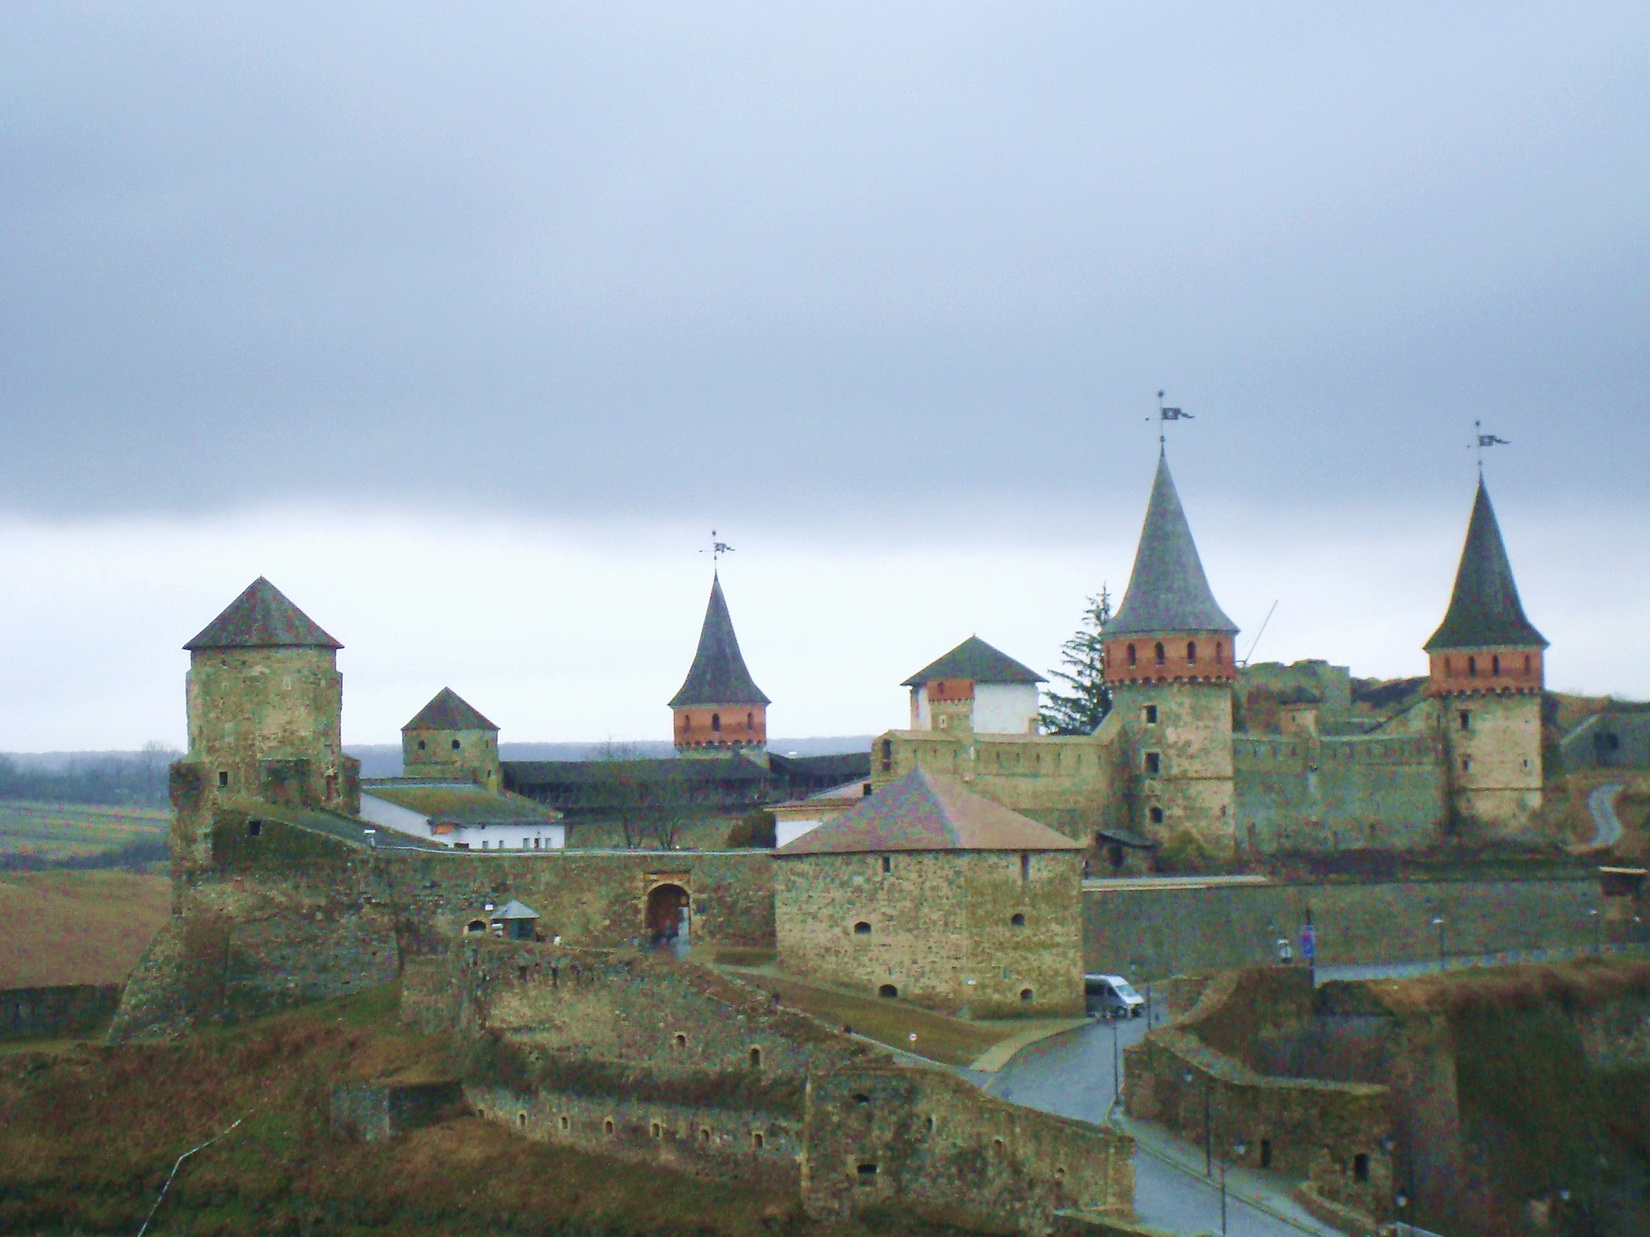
[[667, 913]]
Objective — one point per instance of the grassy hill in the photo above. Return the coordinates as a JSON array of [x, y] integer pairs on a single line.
[[76, 927], [57, 831], [87, 1135]]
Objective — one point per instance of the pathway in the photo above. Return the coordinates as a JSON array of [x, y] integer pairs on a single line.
[[1071, 1075], [1601, 802]]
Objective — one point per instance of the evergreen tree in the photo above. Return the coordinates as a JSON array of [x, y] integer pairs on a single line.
[[1085, 706]]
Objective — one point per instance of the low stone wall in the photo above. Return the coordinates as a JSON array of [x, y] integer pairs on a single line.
[[1152, 929], [73, 1009], [373, 1111], [929, 1138]]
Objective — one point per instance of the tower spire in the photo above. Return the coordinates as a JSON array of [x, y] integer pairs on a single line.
[[1484, 607], [719, 705], [1168, 591]]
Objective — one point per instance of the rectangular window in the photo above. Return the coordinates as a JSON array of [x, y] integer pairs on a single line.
[[1151, 714], [1466, 719], [1154, 764], [1025, 867]]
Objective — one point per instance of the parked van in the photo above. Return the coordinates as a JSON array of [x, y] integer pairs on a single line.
[[1111, 996]]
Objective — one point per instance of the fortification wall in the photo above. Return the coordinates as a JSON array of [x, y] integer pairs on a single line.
[[288, 915], [1148, 929], [940, 928], [69, 1009], [1340, 792]]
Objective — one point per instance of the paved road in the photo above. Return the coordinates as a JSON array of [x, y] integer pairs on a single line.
[[1606, 824], [1071, 1075]]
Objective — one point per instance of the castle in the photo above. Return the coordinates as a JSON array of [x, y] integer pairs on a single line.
[[1204, 762]]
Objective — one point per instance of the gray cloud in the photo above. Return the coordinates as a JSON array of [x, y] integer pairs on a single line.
[[615, 258]]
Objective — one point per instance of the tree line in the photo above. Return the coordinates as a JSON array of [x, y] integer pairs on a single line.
[[115, 779]]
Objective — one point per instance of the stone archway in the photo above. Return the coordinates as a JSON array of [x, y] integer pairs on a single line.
[[667, 913]]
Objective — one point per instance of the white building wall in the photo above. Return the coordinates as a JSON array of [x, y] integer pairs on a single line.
[[1005, 708], [389, 815], [786, 831], [518, 838]]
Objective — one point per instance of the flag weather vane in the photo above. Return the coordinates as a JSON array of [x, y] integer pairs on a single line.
[[1168, 414], [717, 549], [1484, 440]]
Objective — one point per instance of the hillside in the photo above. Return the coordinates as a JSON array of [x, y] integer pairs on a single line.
[[88, 1135], [54, 832], [77, 927]]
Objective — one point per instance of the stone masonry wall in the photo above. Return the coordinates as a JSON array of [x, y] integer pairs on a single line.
[[939, 927], [887, 1132], [70, 1009], [1153, 929]]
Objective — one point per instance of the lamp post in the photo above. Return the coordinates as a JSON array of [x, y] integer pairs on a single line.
[[1438, 922], [1238, 1148], [1208, 1121], [1116, 1064]]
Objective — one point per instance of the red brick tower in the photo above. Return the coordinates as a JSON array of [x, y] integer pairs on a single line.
[[719, 708]]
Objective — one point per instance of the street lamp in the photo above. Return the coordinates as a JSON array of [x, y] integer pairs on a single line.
[[1438, 922], [1208, 1120], [1238, 1148]]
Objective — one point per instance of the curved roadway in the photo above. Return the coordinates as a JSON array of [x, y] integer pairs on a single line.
[[1601, 802]]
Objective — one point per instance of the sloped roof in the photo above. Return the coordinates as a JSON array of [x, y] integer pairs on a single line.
[[461, 803], [924, 811], [1484, 608], [514, 910], [449, 711], [718, 674], [262, 617], [976, 660], [1167, 588]]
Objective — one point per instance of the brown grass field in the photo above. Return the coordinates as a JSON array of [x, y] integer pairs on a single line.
[[60, 830], [77, 927]]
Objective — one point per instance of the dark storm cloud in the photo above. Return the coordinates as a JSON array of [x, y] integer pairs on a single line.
[[610, 259]]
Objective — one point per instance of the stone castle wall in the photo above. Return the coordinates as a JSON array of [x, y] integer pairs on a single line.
[[50, 1012], [948, 930]]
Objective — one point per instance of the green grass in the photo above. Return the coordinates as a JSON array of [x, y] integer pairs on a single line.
[[64, 830]]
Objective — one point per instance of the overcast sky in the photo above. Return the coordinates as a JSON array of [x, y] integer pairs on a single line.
[[465, 324]]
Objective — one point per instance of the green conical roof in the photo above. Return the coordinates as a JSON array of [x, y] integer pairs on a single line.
[[449, 711], [262, 617], [1167, 588], [718, 674], [1484, 609]]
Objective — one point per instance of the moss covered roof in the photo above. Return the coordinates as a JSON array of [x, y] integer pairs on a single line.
[[453, 803], [262, 617]]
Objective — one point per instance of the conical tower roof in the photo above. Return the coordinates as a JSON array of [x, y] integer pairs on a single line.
[[1484, 608], [449, 711], [718, 674], [262, 617], [1167, 588]]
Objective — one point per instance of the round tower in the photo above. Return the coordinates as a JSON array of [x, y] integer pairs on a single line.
[[449, 738], [1170, 663], [719, 708], [264, 704], [1486, 676]]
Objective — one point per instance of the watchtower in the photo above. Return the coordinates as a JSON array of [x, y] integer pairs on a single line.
[[1486, 674], [264, 703], [1170, 662], [449, 738], [719, 708]]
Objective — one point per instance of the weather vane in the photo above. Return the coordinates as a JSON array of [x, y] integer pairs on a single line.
[[1485, 440], [717, 549], [1168, 414]]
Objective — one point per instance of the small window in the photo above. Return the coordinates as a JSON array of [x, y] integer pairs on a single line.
[[887, 865], [867, 1172], [455, 745], [1025, 867], [862, 928], [1495, 665], [1151, 715], [1220, 652], [1449, 667], [680, 1040], [1157, 651], [1156, 815], [750, 721], [862, 1099], [566, 1123], [1191, 652], [223, 778], [422, 745], [716, 723], [887, 755], [254, 828], [997, 1146], [1466, 764], [521, 1120], [1017, 920], [607, 1127], [1154, 764], [1025, 996], [1360, 1167], [704, 1135], [756, 1140], [1527, 663], [756, 1058], [1131, 655], [1466, 719], [888, 992], [1266, 1153], [1472, 667]]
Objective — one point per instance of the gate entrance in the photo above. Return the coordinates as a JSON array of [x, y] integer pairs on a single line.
[[667, 913]]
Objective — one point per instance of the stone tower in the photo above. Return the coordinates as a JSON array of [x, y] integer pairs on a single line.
[[1170, 662], [1486, 675], [449, 739], [264, 702], [719, 709]]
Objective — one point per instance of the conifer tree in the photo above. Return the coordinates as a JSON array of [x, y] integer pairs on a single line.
[[1084, 707]]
